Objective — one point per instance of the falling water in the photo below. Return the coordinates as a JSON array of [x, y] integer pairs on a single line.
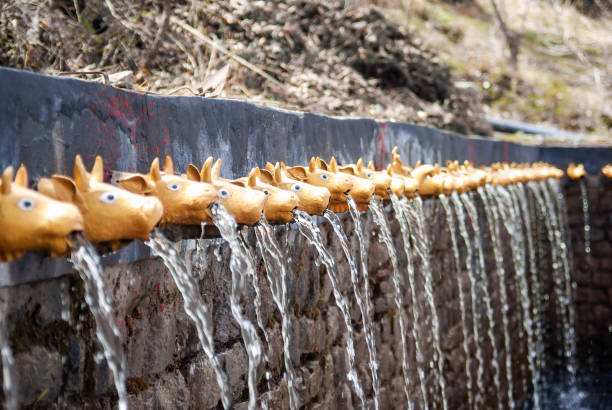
[[8, 384], [483, 286], [513, 224], [587, 220], [313, 235], [366, 308], [385, 232], [194, 306], [559, 223], [476, 317], [87, 262], [242, 268], [421, 242], [276, 273], [493, 217], [400, 215], [534, 283], [464, 326]]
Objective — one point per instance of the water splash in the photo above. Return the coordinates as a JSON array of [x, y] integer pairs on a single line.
[[457, 201], [364, 302], [87, 262], [242, 268], [312, 233], [482, 281], [514, 223], [401, 216], [276, 273], [587, 220], [421, 242], [385, 233], [193, 304], [493, 217], [464, 325]]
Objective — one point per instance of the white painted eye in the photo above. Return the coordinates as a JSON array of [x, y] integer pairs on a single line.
[[369, 175], [174, 187], [26, 204], [324, 177], [223, 193], [265, 191], [296, 187], [108, 197]]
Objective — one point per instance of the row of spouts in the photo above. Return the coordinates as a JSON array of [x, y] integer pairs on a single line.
[[115, 214]]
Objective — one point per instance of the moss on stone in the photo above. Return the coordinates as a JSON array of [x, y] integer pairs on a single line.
[[136, 384]]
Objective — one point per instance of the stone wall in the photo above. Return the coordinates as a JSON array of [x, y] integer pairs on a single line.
[[58, 360], [593, 275]]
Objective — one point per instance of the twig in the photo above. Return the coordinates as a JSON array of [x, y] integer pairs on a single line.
[[65, 73], [223, 50], [160, 33]]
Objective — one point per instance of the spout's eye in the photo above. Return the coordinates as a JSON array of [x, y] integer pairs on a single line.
[[223, 193], [369, 175], [324, 177], [26, 204], [296, 187], [174, 187], [108, 197], [265, 191]]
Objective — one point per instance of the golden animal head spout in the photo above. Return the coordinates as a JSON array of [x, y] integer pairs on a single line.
[[576, 171], [312, 199], [184, 201], [110, 214], [380, 180], [245, 204], [320, 174], [280, 203], [362, 188], [429, 180], [403, 172], [32, 221], [607, 171]]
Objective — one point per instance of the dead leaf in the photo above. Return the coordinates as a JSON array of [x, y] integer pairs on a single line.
[[215, 82]]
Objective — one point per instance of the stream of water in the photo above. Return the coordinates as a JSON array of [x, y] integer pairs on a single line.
[[514, 226], [385, 233], [241, 267], [87, 262], [460, 288], [420, 240], [488, 195], [276, 273], [8, 383], [401, 216], [312, 233], [482, 282], [193, 304], [364, 302]]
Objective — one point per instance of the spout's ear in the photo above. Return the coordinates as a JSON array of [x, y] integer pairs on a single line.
[[81, 176], [394, 151], [348, 170], [333, 165], [61, 188], [270, 167], [135, 183], [267, 176], [193, 173], [321, 164], [7, 181], [97, 172], [298, 173], [312, 164], [252, 180], [278, 177], [359, 165], [155, 172], [389, 170], [216, 169], [205, 173], [371, 165], [21, 178], [169, 165]]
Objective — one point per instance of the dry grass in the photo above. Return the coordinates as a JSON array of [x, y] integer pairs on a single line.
[[564, 73]]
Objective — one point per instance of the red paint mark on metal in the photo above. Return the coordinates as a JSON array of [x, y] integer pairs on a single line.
[[472, 151], [165, 142], [156, 149], [161, 307]]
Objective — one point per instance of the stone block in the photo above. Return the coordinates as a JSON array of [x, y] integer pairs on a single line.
[[37, 371], [201, 380]]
